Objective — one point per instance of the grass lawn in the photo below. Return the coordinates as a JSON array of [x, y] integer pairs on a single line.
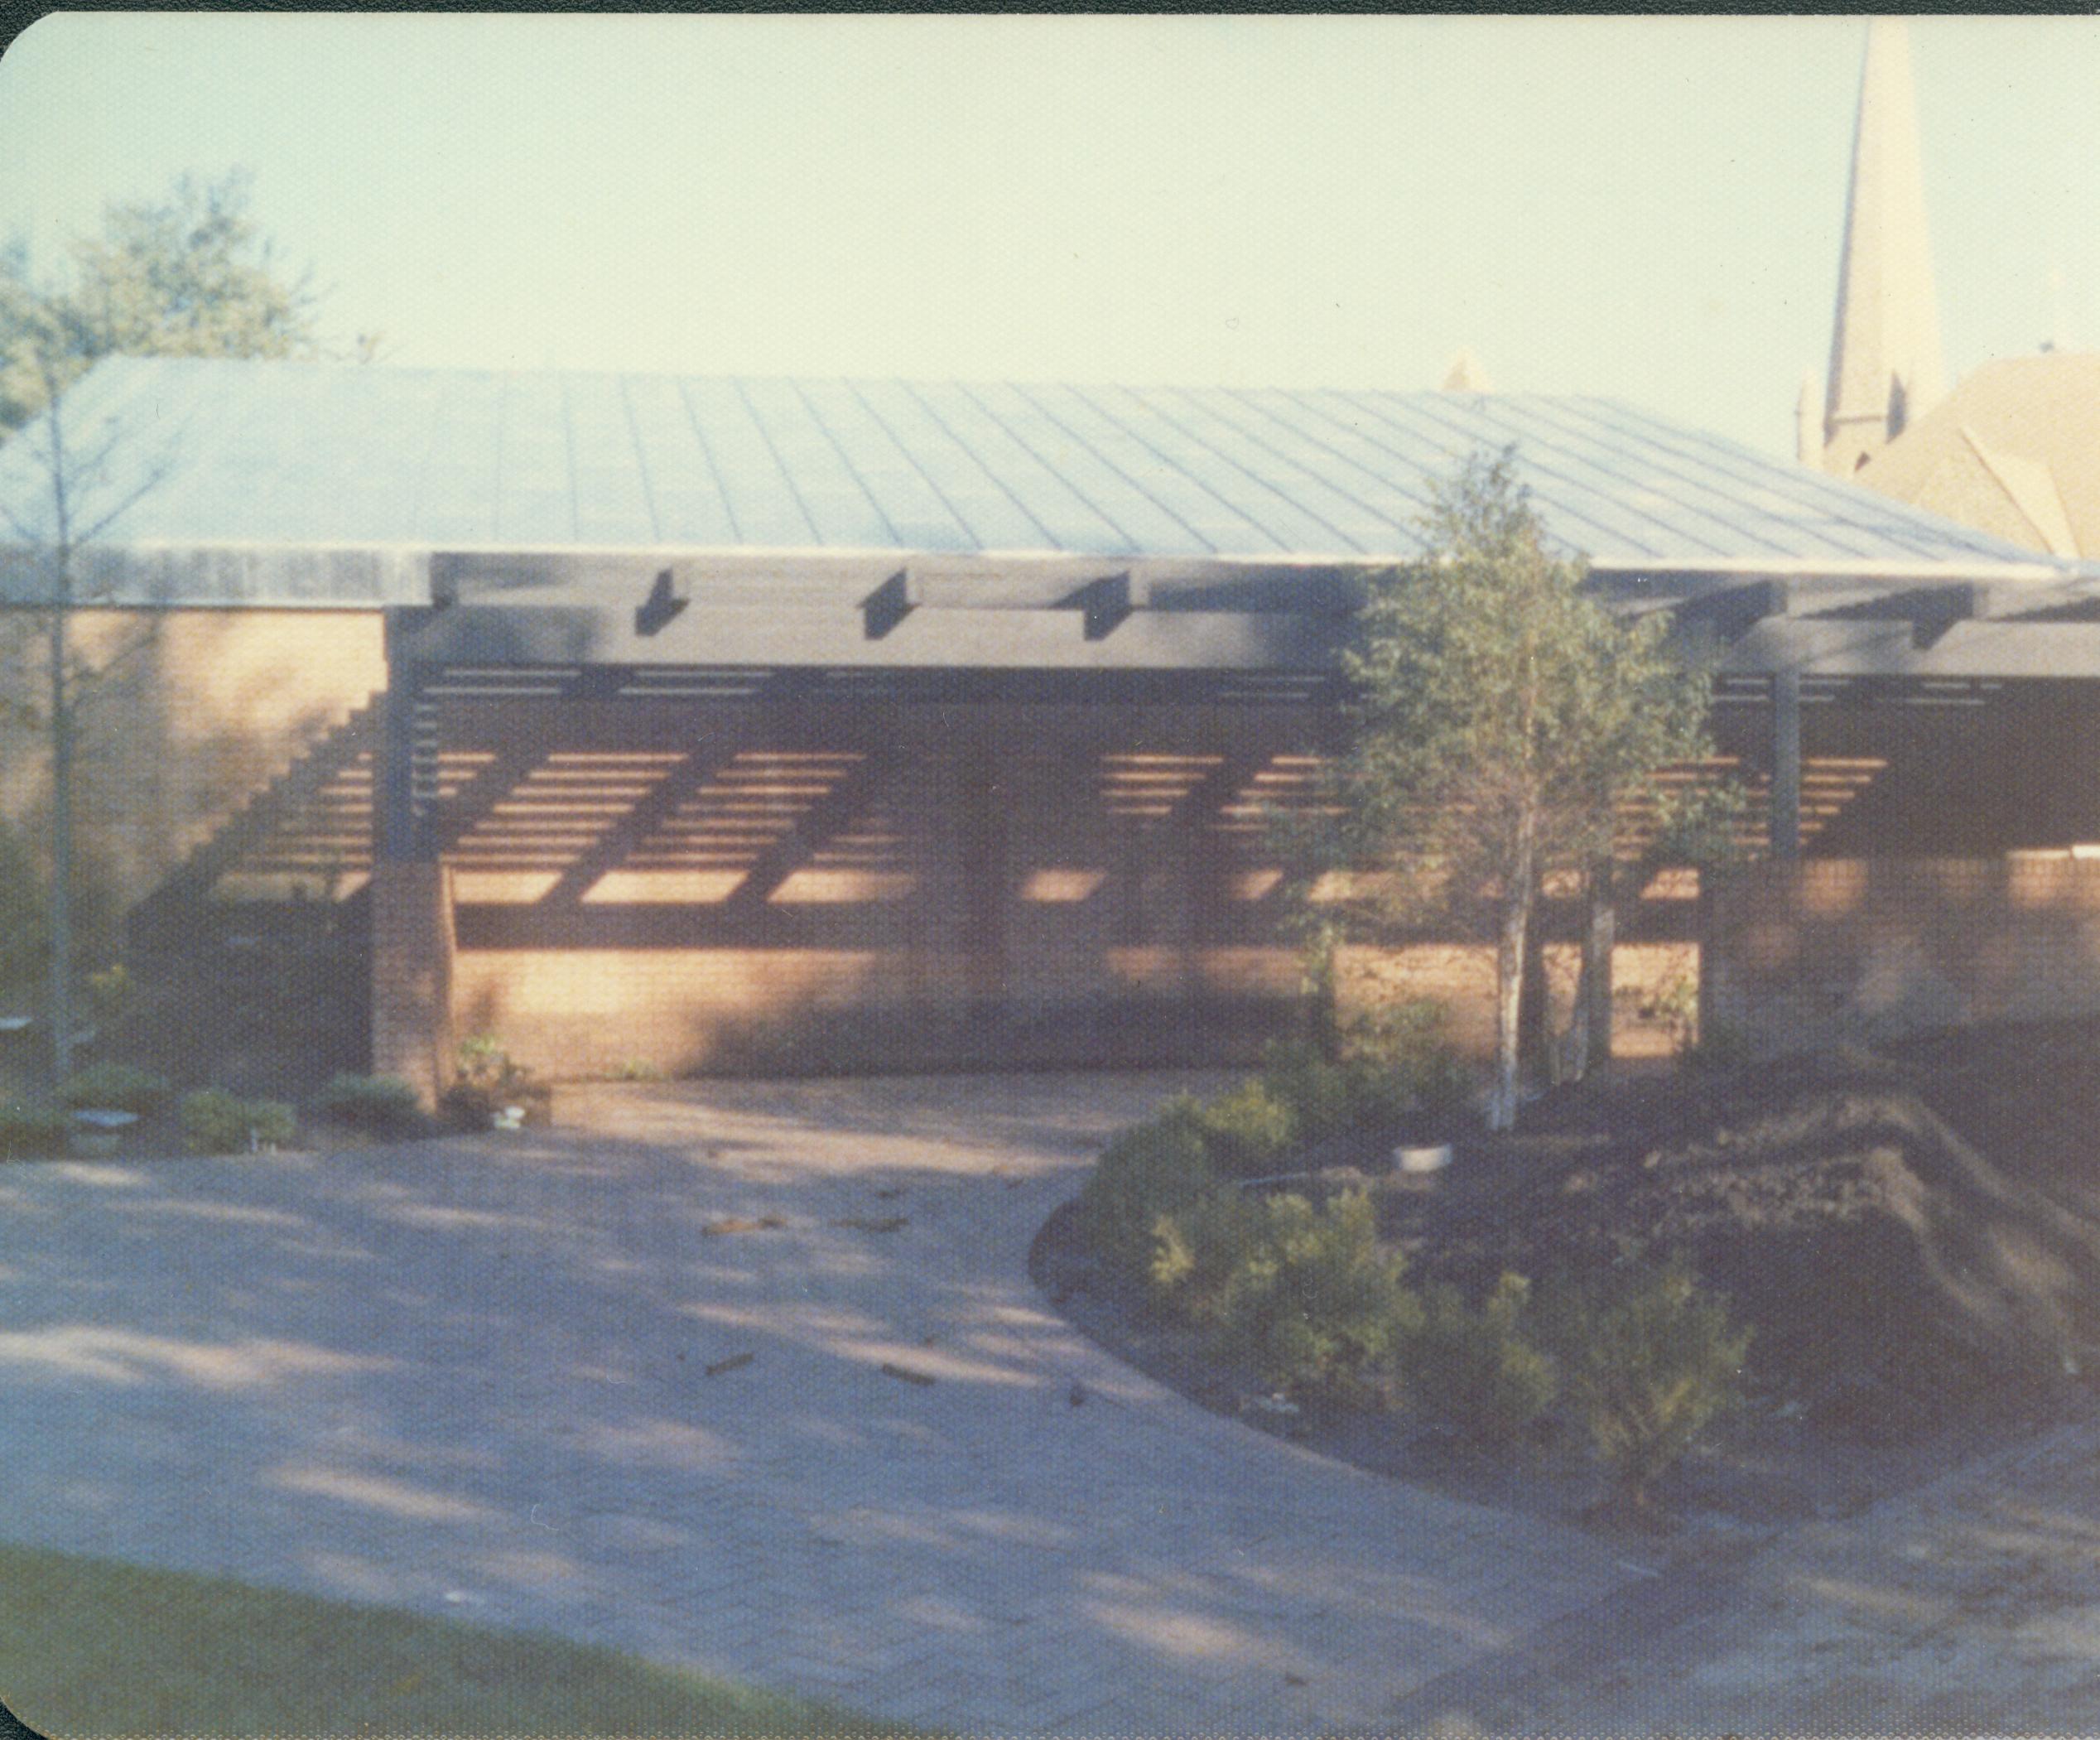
[[91, 1647]]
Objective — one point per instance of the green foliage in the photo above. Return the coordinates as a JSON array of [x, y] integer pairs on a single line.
[[1648, 1358], [1699, 825], [491, 1085], [115, 1088], [1321, 1093], [1197, 1250], [1480, 1370], [1247, 1130], [208, 1655], [188, 275], [1500, 716], [1498, 703], [1154, 1170], [214, 1122], [31, 1132], [384, 1104], [1399, 1061], [1308, 1299], [1392, 1064]]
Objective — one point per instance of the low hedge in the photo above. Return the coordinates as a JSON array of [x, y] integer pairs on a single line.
[[113, 1086], [1148, 1172], [214, 1122], [385, 1105], [31, 1132]]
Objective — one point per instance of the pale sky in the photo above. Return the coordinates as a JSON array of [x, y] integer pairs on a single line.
[[1644, 209]]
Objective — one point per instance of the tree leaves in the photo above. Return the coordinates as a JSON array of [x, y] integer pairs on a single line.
[[1501, 716], [188, 275], [1497, 701]]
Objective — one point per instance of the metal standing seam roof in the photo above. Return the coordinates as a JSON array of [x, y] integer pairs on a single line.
[[329, 456]]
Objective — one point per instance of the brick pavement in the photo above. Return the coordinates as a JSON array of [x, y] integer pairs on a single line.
[[472, 1377]]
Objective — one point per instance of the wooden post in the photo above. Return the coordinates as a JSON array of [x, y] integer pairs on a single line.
[[1786, 765], [404, 835]]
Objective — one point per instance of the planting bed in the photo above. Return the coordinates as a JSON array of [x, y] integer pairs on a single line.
[[1913, 1236]]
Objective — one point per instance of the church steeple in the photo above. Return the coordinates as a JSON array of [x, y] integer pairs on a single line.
[[1886, 367]]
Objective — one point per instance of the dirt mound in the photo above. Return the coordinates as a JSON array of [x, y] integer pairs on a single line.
[[1896, 1279]]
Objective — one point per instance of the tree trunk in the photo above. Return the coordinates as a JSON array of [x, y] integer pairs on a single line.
[[1589, 1036], [60, 998], [1509, 979], [1535, 1037]]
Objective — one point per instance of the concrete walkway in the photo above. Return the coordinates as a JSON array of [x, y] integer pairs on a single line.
[[533, 1382]]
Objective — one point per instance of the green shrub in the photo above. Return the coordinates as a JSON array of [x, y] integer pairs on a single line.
[[1648, 1358], [214, 1122], [385, 1104], [1312, 1303], [1198, 1249], [1247, 1130], [491, 1084], [1320, 1092], [1152, 1169], [1480, 1371], [115, 1088], [1399, 1063], [31, 1132]]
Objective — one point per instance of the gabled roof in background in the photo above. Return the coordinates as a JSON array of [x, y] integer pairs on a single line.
[[2014, 450], [318, 456]]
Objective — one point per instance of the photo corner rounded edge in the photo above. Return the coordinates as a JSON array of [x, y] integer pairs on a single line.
[[13, 1727]]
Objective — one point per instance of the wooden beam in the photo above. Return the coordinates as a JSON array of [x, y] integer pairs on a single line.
[[888, 604], [400, 836], [665, 600], [1104, 605], [1786, 765]]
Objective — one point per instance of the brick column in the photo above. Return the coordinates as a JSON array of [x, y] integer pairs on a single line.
[[412, 895], [411, 974]]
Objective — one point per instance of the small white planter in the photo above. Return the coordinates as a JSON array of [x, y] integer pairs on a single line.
[[1418, 1161]]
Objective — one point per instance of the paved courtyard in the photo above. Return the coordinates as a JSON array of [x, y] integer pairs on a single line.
[[546, 1381]]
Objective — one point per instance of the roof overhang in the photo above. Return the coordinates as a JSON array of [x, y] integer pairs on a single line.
[[1030, 610]]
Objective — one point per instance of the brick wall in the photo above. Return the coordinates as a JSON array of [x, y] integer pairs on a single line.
[[754, 887], [199, 711], [1833, 949], [736, 887]]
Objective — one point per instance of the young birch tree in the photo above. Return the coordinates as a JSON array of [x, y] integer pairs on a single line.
[[187, 276], [62, 489], [1500, 716]]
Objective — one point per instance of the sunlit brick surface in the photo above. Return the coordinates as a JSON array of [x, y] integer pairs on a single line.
[[1852, 949]]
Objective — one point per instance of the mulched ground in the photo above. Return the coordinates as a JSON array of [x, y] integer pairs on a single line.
[[1914, 1237]]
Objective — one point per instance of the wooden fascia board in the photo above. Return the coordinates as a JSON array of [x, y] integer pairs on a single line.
[[1968, 650], [746, 635]]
